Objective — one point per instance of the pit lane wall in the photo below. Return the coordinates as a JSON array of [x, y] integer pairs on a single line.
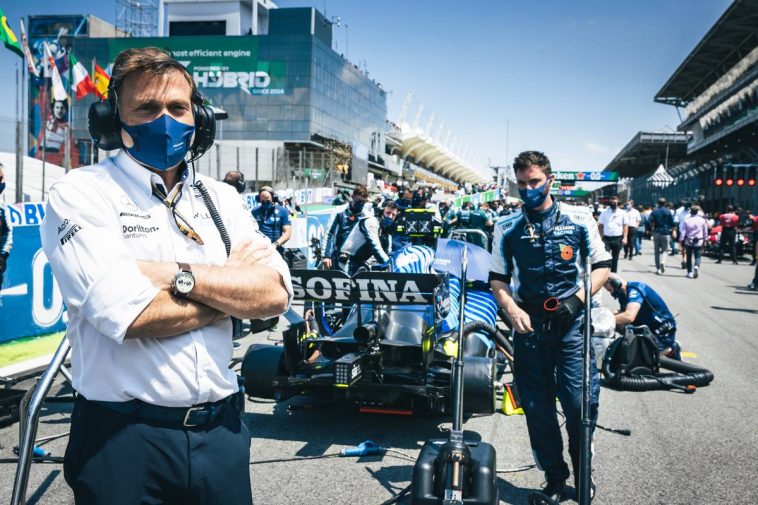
[[30, 302]]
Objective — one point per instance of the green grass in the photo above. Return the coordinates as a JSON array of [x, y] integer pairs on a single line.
[[27, 348]]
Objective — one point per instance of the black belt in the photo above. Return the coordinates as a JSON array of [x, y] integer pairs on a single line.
[[183, 417]]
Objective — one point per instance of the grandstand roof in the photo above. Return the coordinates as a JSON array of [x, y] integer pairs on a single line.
[[413, 143], [729, 40], [646, 151]]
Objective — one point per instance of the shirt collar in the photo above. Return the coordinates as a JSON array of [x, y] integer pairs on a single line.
[[142, 176]]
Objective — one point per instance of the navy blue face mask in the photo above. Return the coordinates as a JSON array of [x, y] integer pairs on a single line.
[[534, 197], [357, 206], [2, 187], [162, 143], [266, 205], [387, 221]]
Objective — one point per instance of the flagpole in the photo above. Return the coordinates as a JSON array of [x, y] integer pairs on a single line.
[[19, 140], [70, 118], [44, 134]]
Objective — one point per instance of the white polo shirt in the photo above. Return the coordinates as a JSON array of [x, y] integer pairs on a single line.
[[613, 222], [633, 218], [100, 220]]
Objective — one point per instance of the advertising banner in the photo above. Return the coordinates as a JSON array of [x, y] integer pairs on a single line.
[[30, 302], [49, 119], [230, 63]]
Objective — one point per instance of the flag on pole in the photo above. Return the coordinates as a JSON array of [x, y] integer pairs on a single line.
[[83, 84], [102, 79], [8, 37], [29, 58], [59, 91]]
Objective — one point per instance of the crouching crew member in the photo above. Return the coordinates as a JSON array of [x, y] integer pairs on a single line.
[[538, 259], [641, 305], [136, 246]]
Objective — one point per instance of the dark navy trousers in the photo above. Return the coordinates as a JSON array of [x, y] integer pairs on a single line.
[[113, 459], [546, 368]]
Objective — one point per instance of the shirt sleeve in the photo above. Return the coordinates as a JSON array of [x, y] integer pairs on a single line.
[[634, 295], [371, 229], [597, 251], [96, 272], [244, 228]]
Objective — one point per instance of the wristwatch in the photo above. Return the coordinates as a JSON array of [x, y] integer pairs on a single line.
[[184, 280]]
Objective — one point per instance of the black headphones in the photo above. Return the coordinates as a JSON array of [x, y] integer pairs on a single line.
[[105, 125], [615, 282]]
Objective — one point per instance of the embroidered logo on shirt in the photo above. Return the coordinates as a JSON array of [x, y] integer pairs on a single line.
[[567, 252], [137, 230], [132, 214], [71, 232]]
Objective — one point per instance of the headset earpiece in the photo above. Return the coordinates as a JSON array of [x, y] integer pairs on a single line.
[[615, 282], [104, 124], [205, 127]]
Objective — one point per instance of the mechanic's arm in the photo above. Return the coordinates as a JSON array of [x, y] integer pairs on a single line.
[[286, 235], [628, 316], [626, 234], [370, 227], [501, 268], [600, 258], [519, 318], [329, 244]]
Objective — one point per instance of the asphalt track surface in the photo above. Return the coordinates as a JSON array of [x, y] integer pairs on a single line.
[[684, 449]]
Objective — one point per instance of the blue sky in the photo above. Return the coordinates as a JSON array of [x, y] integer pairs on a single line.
[[574, 79]]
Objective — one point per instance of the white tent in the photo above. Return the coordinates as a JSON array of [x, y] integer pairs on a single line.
[[32, 182], [660, 178]]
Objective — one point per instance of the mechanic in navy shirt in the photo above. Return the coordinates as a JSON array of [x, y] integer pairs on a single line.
[[662, 223], [273, 219], [642, 305], [538, 260]]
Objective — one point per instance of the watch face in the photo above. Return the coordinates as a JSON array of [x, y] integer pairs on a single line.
[[184, 282]]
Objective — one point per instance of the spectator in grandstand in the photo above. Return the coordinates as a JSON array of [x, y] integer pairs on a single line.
[[728, 221], [614, 230], [273, 219], [661, 223], [694, 233], [633, 219]]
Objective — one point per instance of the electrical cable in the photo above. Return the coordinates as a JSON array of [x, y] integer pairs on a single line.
[[43, 459], [397, 497], [516, 469]]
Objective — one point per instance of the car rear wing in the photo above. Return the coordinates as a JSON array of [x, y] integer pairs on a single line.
[[385, 288]]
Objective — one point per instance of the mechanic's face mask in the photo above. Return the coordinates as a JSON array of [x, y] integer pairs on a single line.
[[357, 206], [162, 143], [534, 197], [2, 187], [626, 207], [267, 204], [614, 205], [387, 221]]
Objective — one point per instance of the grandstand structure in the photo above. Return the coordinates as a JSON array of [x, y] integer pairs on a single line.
[[713, 156]]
